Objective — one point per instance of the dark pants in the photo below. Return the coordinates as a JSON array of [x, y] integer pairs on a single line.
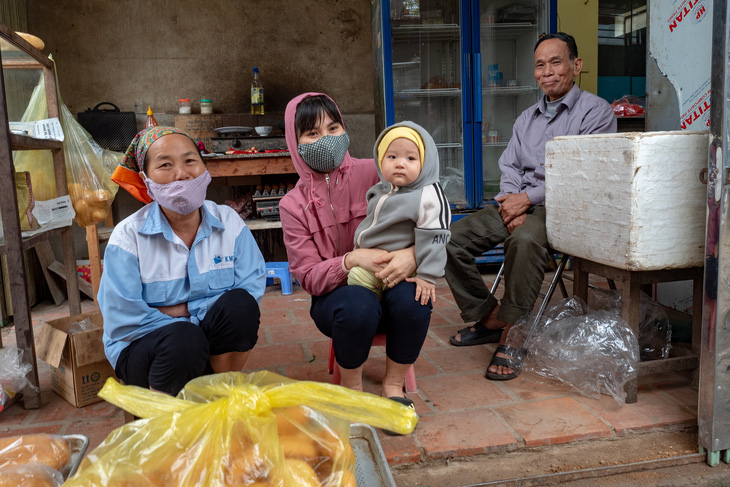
[[352, 315], [525, 261], [167, 358]]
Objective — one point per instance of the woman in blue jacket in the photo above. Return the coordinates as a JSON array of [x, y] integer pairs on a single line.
[[183, 277]]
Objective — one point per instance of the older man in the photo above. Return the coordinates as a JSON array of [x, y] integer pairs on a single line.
[[519, 219]]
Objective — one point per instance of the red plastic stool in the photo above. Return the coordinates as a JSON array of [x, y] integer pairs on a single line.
[[379, 340]]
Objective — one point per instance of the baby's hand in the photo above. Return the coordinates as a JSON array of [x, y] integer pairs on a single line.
[[424, 290]]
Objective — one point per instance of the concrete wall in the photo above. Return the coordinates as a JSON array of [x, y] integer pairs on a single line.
[[134, 52]]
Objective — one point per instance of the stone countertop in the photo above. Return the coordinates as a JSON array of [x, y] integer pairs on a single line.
[[256, 155]]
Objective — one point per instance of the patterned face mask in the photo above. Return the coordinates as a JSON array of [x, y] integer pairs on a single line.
[[182, 197], [326, 154]]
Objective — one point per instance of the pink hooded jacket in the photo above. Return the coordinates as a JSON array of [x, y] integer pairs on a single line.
[[319, 216]]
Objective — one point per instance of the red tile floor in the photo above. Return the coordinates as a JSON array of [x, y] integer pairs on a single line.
[[461, 412]]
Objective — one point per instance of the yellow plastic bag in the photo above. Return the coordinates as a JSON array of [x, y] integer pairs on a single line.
[[88, 166], [257, 429]]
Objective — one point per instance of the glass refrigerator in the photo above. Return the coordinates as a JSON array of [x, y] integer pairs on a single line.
[[463, 70]]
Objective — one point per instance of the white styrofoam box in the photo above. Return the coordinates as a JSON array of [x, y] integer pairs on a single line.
[[632, 200]]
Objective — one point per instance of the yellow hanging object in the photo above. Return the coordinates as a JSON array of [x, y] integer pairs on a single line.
[[257, 429]]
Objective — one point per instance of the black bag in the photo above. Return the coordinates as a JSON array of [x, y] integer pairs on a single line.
[[110, 128]]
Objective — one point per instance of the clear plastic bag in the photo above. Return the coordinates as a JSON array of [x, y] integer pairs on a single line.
[[590, 351], [655, 330], [237, 429], [53, 451], [79, 326], [88, 166], [29, 475], [13, 374], [629, 106]]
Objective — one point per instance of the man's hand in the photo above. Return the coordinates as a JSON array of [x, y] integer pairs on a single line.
[[513, 205], [516, 222]]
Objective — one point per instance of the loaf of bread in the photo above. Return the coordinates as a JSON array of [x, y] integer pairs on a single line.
[[33, 40], [30, 475], [51, 450]]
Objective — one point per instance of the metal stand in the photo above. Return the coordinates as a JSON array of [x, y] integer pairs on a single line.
[[714, 401]]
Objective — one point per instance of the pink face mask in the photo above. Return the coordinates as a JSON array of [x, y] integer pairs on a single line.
[[182, 197]]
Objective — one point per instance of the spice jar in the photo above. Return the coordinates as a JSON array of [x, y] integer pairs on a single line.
[[206, 106], [184, 106]]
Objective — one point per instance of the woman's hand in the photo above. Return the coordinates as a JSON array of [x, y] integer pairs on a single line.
[[175, 311], [365, 258], [396, 266], [424, 290]]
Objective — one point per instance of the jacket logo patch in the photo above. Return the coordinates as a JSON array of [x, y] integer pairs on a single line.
[[440, 239], [220, 259]]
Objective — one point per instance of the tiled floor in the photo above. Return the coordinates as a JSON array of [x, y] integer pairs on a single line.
[[461, 413]]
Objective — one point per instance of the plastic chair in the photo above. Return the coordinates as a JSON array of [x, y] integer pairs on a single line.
[[379, 340], [279, 270]]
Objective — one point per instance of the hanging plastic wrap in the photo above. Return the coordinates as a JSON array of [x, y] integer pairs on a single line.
[[655, 331], [257, 429], [88, 166], [590, 351], [13, 374]]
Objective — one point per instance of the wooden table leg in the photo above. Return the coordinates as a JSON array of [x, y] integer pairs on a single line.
[[698, 304], [580, 280], [630, 309], [92, 242]]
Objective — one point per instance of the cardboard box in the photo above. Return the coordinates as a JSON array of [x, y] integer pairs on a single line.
[[200, 127], [79, 367]]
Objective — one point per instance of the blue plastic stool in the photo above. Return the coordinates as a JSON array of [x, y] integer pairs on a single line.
[[280, 270]]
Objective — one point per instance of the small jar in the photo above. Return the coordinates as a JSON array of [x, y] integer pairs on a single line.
[[206, 106], [184, 106]]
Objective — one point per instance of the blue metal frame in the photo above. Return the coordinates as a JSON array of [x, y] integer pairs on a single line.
[[467, 106], [553, 16], [475, 175], [388, 61]]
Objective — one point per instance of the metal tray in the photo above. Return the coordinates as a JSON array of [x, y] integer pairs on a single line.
[[79, 444], [233, 130], [371, 469]]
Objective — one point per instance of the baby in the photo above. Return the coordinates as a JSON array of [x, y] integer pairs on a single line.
[[408, 207]]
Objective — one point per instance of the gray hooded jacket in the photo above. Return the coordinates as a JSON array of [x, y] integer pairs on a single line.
[[417, 214]]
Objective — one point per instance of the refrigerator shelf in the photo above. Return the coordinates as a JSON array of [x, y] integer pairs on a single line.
[[407, 64], [417, 93], [495, 144], [506, 31], [449, 145], [429, 31], [507, 90]]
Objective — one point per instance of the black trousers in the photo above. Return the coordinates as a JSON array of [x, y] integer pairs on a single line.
[[352, 315], [169, 357]]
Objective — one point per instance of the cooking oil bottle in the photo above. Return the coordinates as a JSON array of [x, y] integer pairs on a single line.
[[150, 122], [257, 94]]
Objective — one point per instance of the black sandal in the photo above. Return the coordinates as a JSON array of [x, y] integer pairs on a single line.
[[514, 362], [480, 335]]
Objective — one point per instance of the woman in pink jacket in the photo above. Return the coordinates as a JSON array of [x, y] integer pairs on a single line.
[[319, 217]]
